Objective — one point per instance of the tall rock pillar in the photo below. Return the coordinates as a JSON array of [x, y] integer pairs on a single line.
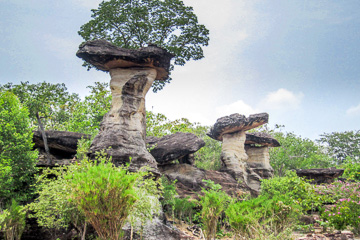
[[123, 129]]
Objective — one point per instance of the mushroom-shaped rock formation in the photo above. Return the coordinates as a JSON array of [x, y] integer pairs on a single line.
[[257, 148], [231, 131], [175, 146], [122, 131]]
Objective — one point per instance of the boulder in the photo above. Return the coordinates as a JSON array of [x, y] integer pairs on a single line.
[[122, 131], [60, 142], [320, 175], [260, 138], [174, 146], [189, 180]]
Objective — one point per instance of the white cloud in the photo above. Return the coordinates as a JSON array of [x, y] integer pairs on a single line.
[[282, 99], [353, 110], [237, 107]]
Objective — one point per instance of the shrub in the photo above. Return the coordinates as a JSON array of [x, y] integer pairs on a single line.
[[346, 212], [52, 208], [106, 195], [12, 221], [298, 189], [17, 160], [213, 203], [260, 217], [184, 209], [168, 195], [352, 169]]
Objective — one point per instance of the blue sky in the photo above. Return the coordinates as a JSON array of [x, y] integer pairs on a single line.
[[297, 60]]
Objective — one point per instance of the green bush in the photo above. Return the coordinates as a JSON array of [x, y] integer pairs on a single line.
[[345, 212], [17, 160], [106, 195], [298, 189], [52, 208], [261, 218], [352, 169], [213, 203], [12, 221], [168, 195], [184, 209]]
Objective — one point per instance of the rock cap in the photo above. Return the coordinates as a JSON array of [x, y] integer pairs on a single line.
[[105, 56], [236, 122], [261, 138]]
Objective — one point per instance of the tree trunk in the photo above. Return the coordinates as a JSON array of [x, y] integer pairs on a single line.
[[41, 128]]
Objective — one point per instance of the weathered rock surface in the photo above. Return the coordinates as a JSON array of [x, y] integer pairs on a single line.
[[56, 160], [105, 56], [231, 131], [260, 138], [174, 146], [233, 154], [320, 175], [61, 142], [259, 160], [157, 230], [189, 180], [236, 122], [122, 131]]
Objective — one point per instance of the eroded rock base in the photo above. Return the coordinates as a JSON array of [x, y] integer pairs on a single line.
[[122, 131]]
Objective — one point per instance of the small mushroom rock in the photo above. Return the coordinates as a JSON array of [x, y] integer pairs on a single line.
[[231, 131], [122, 131], [257, 148]]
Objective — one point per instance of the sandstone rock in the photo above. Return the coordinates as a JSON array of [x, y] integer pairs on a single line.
[[157, 230], [105, 56], [174, 146], [259, 161], [320, 175], [122, 131], [236, 122], [60, 142], [231, 131], [56, 160], [263, 139], [189, 180]]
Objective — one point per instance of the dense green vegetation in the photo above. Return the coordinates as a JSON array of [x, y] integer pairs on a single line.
[[106, 197]]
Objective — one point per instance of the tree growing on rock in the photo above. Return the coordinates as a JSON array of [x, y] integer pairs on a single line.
[[136, 23]]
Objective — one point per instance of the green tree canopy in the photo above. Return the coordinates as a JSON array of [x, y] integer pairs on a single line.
[[17, 160], [341, 145], [52, 102], [296, 152], [135, 23]]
